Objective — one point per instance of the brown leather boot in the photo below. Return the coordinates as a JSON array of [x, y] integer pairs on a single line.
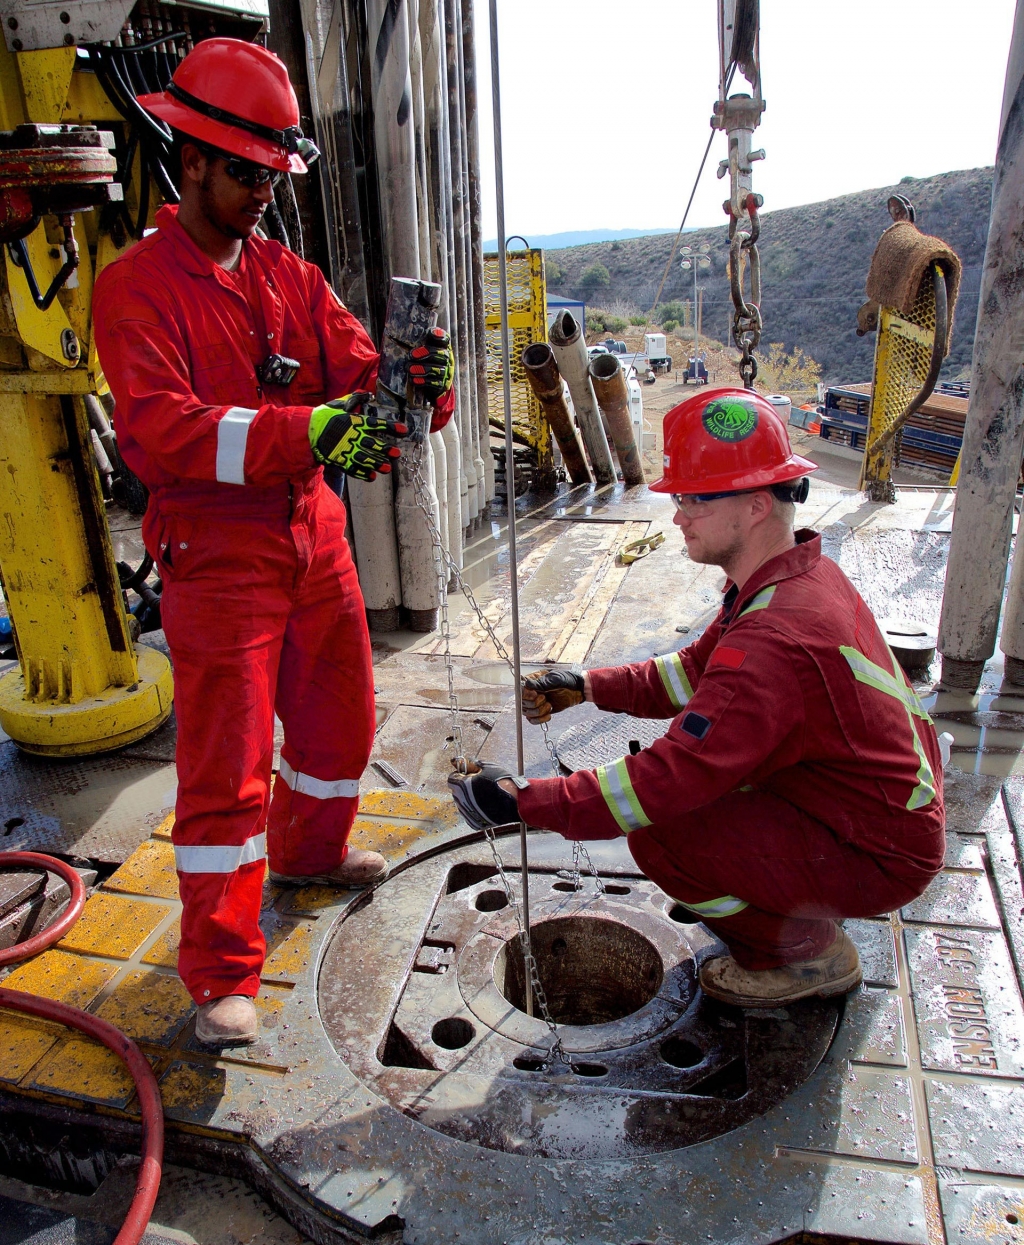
[[228, 1021], [835, 971], [359, 868]]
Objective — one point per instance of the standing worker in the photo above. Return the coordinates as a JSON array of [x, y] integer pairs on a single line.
[[800, 780], [237, 372]]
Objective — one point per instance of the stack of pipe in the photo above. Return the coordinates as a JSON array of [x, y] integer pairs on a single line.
[[570, 353], [394, 105]]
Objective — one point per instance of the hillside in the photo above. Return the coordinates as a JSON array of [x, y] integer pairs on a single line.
[[814, 262]]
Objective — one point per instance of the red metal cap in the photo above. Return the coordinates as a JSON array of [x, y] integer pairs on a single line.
[[726, 440], [236, 96]]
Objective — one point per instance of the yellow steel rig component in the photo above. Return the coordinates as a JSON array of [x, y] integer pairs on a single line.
[[527, 322], [82, 686]]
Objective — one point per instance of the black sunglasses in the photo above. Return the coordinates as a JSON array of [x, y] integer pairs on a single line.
[[245, 172]]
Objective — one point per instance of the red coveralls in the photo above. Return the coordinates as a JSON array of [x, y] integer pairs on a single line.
[[800, 779], [261, 605]]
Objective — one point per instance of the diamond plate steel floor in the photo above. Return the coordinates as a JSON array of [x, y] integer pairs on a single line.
[[911, 1129]]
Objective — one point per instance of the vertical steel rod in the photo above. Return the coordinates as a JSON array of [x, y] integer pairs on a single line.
[[510, 475]]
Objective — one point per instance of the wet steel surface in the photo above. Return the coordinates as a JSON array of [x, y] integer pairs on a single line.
[[909, 1129], [429, 1015]]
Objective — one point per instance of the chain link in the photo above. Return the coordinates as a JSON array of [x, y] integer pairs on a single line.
[[746, 320], [444, 562]]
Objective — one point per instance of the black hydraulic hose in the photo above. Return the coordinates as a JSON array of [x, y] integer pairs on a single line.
[[275, 225], [140, 224], [172, 36], [134, 579], [154, 139], [286, 188]]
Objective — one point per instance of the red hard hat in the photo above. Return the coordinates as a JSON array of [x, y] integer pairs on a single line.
[[727, 440], [236, 96]]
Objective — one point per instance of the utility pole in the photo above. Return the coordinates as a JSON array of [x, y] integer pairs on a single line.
[[696, 258]]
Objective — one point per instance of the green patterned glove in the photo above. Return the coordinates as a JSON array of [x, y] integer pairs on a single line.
[[348, 432], [433, 365]]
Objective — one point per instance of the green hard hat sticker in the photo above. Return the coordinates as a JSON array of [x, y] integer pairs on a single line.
[[730, 419]]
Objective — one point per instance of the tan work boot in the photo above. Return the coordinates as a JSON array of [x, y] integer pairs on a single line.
[[359, 868], [228, 1021], [835, 971]]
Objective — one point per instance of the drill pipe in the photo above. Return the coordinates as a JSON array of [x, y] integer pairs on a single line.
[[570, 351], [546, 383], [609, 382]]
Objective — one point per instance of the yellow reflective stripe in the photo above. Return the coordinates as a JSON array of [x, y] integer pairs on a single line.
[[673, 677], [865, 671], [759, 602], [620, 797], [724, 905]]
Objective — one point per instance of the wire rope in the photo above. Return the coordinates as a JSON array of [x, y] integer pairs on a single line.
[[510, 489]]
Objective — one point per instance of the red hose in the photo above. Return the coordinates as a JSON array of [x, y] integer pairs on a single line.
[[148, 1184]]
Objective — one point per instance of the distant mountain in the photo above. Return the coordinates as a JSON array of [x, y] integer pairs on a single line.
[[580, 237], [814, 262]]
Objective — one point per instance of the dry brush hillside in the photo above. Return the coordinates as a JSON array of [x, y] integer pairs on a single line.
[[814, 262]]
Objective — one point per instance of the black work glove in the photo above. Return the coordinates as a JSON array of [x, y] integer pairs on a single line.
[[349, 432], [550, 691], [433, 366], [481, 801]]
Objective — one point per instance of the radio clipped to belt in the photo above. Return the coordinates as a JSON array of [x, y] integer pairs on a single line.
[[277, 369]]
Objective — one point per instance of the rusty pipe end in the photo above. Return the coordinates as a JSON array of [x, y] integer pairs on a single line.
[[604, 366], [537, 356], [564, 329]]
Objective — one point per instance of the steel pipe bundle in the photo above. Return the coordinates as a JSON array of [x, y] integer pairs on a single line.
[[546, 383], [393, 100], [609, 383], [570, 351]]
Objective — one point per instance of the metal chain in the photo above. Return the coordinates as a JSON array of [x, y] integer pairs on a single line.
[[746, 320], [443, 560]]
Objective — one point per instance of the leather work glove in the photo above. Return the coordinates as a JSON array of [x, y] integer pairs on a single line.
[[480, 800], [550, 691], [433, 366], [348, 432]]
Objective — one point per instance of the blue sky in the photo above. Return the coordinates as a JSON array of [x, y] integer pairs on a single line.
[[606, 103]]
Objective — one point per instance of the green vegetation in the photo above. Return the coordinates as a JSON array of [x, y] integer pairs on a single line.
[[796, 374], [605, 322], [670, 326], [639, 322], [553, 275], [595, 277]]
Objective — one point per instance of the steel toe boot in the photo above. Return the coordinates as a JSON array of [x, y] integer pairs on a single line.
[[359, 868], [836, 971], [228, 1021]]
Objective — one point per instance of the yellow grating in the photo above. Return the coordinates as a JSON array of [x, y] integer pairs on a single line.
[[903, 355], [527, 316]]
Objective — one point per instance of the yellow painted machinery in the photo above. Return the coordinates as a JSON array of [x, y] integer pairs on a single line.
[[527, 322], [80, 179]]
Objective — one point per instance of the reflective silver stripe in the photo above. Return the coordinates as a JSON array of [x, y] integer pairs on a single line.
[[724, 905], [673, 677], [232, 434], [224, 859], [620, 797], [318, 788]]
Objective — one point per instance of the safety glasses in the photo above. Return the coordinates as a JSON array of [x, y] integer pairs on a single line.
[[693, 504], [245, 172]]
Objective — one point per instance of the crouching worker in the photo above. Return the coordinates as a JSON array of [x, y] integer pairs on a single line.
[[800, 780]]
